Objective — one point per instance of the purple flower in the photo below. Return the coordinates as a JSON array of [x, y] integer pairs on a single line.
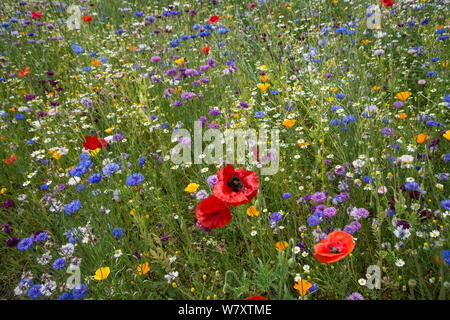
[[355, 296], [59, 263], [12, 242], [8, 203], [187, 95], [330, 212], [212, 180], [286, 195], [318, 197], [25, 244]]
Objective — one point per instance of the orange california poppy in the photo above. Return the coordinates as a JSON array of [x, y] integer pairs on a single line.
[[403, 95], [289, 123], [421, 138], [143, 268], [336, 247], [252, 212], [281, 245], [302, 286], [401, 115]]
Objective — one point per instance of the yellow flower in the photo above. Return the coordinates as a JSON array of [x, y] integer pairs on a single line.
[[3, 190], [143, 268], [108, 130], [192, 187], [302, 286], [403, 95], [289, 123], [263, 86], [57, 155], [252, 212], [133, 212], [180, 61], [447, 135], [94, 152], [264, 78], [102, 273]]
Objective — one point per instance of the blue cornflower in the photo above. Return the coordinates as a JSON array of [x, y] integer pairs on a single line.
[[286, 195], [72, 207], [79, 291], [348, 119], [59, 263], [25, 244], [175, 43], [44, 187], [134, 179], [313, 221], [445, 204], [411, 185], [110, 168], [259, 114], [340, 95], [77, 49], [275, 217], [35, 291], [42, 236], [81, 187], [118, 232], [19, 116], [446, 256], [96, 177], [65, 296], [141, 161]]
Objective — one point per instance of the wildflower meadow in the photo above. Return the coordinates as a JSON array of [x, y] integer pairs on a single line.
[[224, 150]]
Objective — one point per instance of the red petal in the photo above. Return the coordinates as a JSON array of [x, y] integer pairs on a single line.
[[213, 213]]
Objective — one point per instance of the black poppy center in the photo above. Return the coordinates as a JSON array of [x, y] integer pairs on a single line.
[[334, 250], [235, 184]]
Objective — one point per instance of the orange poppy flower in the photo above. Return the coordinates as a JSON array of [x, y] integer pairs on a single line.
[[281, 245], [289, 123], [96, 63], [421, 138], [143, 268], [401, 115], [302, 286], [336, 247], [252, 212], [403, 95]]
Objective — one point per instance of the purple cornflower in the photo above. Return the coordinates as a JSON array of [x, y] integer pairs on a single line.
[[318, 197]]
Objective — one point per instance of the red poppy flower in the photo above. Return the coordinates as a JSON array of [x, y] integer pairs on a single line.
[[205, 50], [256, 298], [214, 19], [93, 143], [36, 15], [10, 159], [236, 187], [213, 213], [87, 18], [338, 245], [387, 3], [24, 72]]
